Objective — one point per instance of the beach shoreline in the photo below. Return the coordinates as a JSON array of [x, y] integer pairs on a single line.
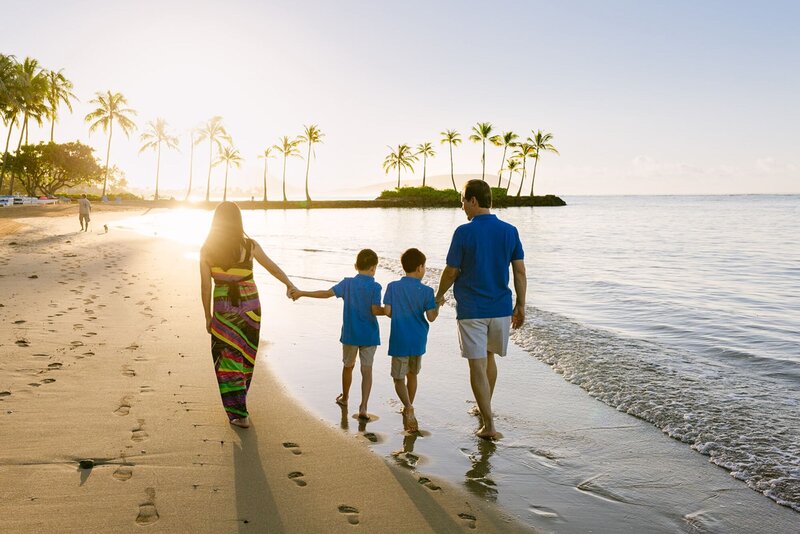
[[110, 419]]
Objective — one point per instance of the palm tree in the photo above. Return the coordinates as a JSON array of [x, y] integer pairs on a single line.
[[312, 136], [402, 158], [111, 107], [192, 141], [512, 166], [229, 155], [266, 155], [152, 138], [287, 147], [480, 133], [523, 152], [59, 90], [9, 103], [31, 88], [426, 150], [453, 138], [506, 140], [215, 132], [541, 142]]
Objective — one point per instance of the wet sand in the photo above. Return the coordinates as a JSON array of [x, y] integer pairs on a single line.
[[110, 420]]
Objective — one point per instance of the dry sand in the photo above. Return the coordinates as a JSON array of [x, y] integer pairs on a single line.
[[104, 357]]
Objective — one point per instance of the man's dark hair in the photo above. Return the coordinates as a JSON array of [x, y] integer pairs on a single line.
[[411, 259], [479, 190], [366, 259]]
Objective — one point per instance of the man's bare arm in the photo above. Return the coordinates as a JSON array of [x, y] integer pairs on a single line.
[[520, 288], [449, 275]]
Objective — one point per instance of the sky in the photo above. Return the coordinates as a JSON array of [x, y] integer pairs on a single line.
[[642, 97]]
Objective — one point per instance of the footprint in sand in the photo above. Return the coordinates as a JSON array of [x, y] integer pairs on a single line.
[[89, 334], [123, 473], [55, 365], [294, 447], [350, 512], [20, 321], [76, 343], [124, 407], [469, 519], [428, 483], [127, 371], [145, 389], [34, 384], [138, 434], [148, 514], [48, 380], [132, 346], [4, 393], [23, 342], [297, 477]]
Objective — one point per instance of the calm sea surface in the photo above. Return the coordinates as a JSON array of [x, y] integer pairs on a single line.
[[682, 311]]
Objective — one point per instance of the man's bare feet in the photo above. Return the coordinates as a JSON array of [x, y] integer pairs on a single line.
[[486, 434], [243, 422], [341, 400], [362, 412]]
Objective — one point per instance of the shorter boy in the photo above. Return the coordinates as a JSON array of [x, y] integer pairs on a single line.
[[360, 333], [409, 302]]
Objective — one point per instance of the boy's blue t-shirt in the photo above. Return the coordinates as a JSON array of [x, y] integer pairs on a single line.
[[359, 325], [409, 299], [482, 250]]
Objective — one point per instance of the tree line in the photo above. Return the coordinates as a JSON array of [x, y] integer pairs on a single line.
[[30, 92], [404, 157]]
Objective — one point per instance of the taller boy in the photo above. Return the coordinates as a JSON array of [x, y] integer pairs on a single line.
[[360, 333], [477, 262]]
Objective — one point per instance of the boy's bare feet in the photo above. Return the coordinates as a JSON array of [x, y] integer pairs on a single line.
[[410, 420], [341, 400], [243, 422]]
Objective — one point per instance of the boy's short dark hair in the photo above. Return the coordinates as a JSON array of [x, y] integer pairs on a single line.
[[480, 190], [411, 259], [366, 259]]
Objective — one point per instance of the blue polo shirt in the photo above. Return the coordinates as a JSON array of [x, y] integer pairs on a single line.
[[409, 299], [359, 325], [482, 250]]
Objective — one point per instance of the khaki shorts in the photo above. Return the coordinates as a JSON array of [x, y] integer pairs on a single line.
[[405, 365], [476, 337], [367, 354]]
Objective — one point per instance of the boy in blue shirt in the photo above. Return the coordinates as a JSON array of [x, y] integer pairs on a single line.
[[360, 333], [409, 302]]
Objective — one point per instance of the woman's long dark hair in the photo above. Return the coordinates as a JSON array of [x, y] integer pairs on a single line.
[[226, 238]]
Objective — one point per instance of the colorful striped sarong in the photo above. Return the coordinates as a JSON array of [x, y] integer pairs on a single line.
[[235, 328]]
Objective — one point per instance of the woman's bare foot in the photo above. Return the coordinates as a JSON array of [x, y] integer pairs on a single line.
[[341, 400], [243, 422]]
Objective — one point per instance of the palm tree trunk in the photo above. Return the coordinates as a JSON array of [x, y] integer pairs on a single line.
[[26, 128], [533, 179], [308, 166], [108, 153], [398, 175], [208, 182], [523, 179], [158, 168], [483, 162], [52, 127], [510, 174], [191, 164], [502, 164], [265, 178], [452, 176], [19, 146], [225, 191], [424, 168], [5, 154], [284, 177]]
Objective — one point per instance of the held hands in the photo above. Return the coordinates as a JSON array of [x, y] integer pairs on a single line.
[[293, 293], [518, 316], [440, 300]]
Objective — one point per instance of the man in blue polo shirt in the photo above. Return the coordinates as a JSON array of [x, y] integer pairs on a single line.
[[409, 303], [478, 264]]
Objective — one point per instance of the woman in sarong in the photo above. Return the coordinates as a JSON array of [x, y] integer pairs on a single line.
[[233, 314]]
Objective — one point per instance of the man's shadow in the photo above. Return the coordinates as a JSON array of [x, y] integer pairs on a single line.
[[478, 480]]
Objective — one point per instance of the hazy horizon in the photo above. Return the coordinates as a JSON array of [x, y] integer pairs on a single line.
[[641, 98]]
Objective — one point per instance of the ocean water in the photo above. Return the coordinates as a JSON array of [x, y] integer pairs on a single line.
[[683, 312]]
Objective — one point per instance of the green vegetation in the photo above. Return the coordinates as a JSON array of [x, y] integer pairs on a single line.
[[287, 147], [480, 133], [229, 156], [266, 155], [312, 136], [402, 158], [215, 132], [46, 168], [111, 108], [428, 197]]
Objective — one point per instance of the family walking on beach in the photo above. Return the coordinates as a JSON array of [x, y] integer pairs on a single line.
[[478, 261]]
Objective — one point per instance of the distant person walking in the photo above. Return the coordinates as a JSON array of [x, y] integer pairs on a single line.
[[235, 324], [84, 209], [477, 266]]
